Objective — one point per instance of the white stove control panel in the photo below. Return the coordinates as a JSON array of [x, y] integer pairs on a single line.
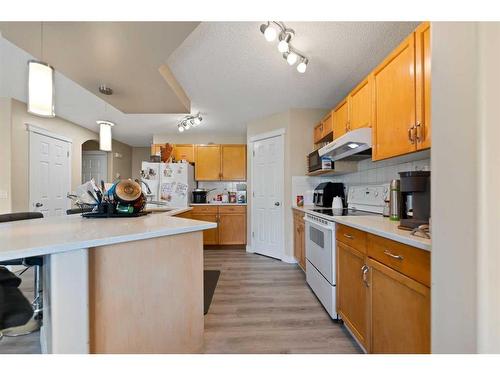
[[368, 197]]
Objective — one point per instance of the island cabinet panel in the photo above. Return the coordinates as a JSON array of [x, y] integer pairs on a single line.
[[400, 312], [352, 292], [340, 119], [207, 162], [394, 107], [234, 162], [184, 152], [423, 68], [147, 296], [360, 106]]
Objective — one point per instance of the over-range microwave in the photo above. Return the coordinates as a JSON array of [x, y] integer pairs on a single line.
[[317, 163]]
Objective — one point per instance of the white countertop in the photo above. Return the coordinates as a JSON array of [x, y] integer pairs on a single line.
[[172, 211], [378, 225], [59, 234], [217, 204]]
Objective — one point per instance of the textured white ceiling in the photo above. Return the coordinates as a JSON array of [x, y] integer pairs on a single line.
[[233, 75]]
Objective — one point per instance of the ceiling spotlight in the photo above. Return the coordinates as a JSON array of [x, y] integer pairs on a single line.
[[269, 31], [291, 58], [284, 41], [197, 120], [186, 124], [106, 90], [302, 66], [180, 127]]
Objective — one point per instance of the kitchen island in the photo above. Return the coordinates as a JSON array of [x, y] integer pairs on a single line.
[[116, 285]]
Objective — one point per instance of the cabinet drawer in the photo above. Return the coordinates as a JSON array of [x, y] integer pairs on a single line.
[[204, 210], [232, 210], [410, 261], [355, 238]]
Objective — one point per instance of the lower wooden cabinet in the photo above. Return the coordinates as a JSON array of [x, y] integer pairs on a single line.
[[383, 292], [400, 312], [352, 291], [299, 240], [231, 224]]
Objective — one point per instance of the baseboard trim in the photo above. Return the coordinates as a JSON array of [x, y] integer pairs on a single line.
[[249, 249], [288, 259]]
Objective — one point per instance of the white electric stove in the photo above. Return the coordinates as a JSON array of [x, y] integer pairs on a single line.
[[363, 200]]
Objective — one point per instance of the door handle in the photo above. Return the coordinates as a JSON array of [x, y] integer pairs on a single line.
[[398, 257], [418, 132], [364, 274], [38, 204], [351, 237], [276, 204]]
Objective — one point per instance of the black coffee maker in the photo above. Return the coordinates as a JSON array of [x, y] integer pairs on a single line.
[[415, 198]]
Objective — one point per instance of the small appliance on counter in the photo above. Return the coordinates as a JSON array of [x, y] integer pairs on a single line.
[[415, 202], [326, 191], [200, 195], [241, 193]]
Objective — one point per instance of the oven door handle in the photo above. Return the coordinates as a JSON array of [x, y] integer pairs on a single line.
[[312, 222]]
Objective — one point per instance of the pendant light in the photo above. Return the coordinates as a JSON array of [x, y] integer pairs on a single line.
[[41, 94], [105, 134]]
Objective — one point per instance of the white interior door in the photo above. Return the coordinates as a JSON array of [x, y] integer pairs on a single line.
[[267, 196], [94, 165], [49, 174]]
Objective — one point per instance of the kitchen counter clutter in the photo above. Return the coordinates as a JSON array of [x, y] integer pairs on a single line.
[[218, 204], [378, 225]]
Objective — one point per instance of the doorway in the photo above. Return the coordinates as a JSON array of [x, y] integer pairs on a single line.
[[94, 165], [267, 183], [49, 172]]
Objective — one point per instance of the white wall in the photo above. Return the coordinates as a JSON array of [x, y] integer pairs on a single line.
[[455, 131], [488, 285]]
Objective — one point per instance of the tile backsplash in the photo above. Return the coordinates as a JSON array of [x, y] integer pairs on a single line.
[[219, 187], [369, 172]]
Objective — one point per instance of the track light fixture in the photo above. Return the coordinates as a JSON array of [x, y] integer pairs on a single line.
[[189, 121], [290, 54]]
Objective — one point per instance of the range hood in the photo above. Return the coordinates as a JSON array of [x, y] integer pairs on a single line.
[[355, 144]]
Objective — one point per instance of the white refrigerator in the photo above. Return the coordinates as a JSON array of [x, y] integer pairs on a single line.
[[170, 183]]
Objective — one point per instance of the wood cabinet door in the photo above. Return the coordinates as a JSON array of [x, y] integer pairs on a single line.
[[400, 312], [327, 125], [394, 112], [352, 292], [360, 106], [184, 152], [340, 118], [207, 162], [210, 236], [423, 69], [318, 132], [234, 162], [232, 229], [302, 244]]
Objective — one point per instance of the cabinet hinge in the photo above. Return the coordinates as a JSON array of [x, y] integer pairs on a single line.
[[253, 234], [253, 152], [67, 154]]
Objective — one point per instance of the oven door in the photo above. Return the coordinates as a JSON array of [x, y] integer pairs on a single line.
[[319, 248]]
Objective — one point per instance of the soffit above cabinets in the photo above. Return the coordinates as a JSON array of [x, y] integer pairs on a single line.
[[129, 57]]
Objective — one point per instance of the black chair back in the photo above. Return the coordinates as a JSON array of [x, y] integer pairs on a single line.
[[16, 216]]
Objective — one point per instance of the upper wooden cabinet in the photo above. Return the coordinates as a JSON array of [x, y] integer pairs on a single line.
[[394, 112], [360, 106], [340, 119], [207, 162], [184, 152], [234, 162], [423, 70], [220, 162]]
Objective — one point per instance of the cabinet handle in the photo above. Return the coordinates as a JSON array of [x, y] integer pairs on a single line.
[[418, 132], [410, 134], [364, 274], [388, 253], [351, 237]]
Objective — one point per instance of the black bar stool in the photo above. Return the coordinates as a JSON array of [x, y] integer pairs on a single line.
[[35, 262]]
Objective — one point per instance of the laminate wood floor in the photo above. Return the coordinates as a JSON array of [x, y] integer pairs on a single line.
[[262, 305]]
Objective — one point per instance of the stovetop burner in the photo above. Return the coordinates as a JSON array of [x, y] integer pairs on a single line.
[[343, 212]]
